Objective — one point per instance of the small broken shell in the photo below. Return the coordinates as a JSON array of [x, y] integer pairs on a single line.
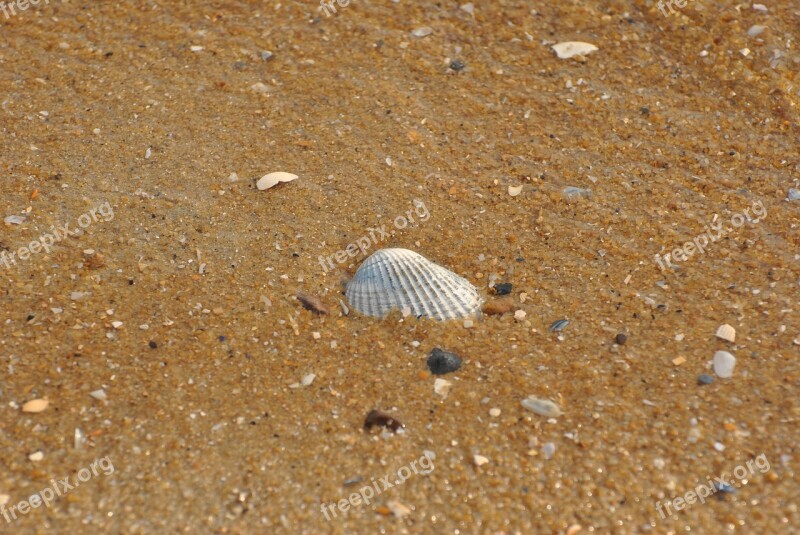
[[272, 179], [726, 332]]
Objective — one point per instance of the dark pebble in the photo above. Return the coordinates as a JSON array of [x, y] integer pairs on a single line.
[[222, 338], [503, 288], [705, 379], [312, 303], [153, 344], [559, 325], [457, 65], [621, 338], [724, 488], [376, 417], [441, 362]]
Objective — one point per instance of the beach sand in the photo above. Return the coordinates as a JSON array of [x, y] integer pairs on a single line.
[[175, 291]]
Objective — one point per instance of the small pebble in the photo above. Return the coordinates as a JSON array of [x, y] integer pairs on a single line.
[[543, 407], [312, 303], [14, 220], [442, 387], [441, 362], [308, 379], [376, 417], [724, 363], [794, 195], [35, 405], [457, 65], [498, 307], [724, 488], [266, 55], [152, 344], [705, 379], [558, 325], [620, 339], [99, 395], [468, 324], [36, 456], [422, 32], [548, 450], [398, 509], [519, 315], [479, 460], [494, 413], [503, 288]]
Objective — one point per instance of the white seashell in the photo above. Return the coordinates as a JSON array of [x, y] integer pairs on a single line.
[[514, 190], [569, 49], [399, 278], [726, 332], [267, 181]]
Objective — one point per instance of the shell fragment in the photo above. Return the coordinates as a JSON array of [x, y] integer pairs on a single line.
[[273, 179]]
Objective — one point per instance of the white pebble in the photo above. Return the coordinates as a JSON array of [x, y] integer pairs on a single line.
[[543, 407], [479, 460], [495, 412], [36, 456], [548, 450], [724, 363], [422, 32]]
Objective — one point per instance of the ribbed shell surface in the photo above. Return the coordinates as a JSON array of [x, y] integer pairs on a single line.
[[397, 278]]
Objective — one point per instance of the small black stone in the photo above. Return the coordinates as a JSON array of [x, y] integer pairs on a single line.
[[503, 288], [457, 65], [621, 338], [705, 379], [153, 344], [441, 362], [222, 338]]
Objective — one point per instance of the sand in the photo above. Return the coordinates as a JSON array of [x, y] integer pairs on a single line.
[[174, 292]]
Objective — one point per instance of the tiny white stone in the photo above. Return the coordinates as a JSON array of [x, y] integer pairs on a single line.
[[36, 456], [195, 48], [519, 315], [494, 412], [96, 131], [422, 32], [14, 220], [315, 335], [469, 8], [760, 7], [148, 153], [745, 52], [79, 439], [468, 324], [514, 190], [548, 450], [543, 407], [99, 395], [569, 49], [308, 379], [441, 387], [260, 87], [679, 337], [724, 363], [755, 30], [269, 180], [479, 460], [719, 446], [35, 405], [116, 324]]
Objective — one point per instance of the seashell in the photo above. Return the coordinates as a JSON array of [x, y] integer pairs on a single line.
[[726, 332], [272, 179], [399, 278]]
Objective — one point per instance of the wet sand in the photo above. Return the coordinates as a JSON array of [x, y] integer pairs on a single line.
[[177, 297]]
